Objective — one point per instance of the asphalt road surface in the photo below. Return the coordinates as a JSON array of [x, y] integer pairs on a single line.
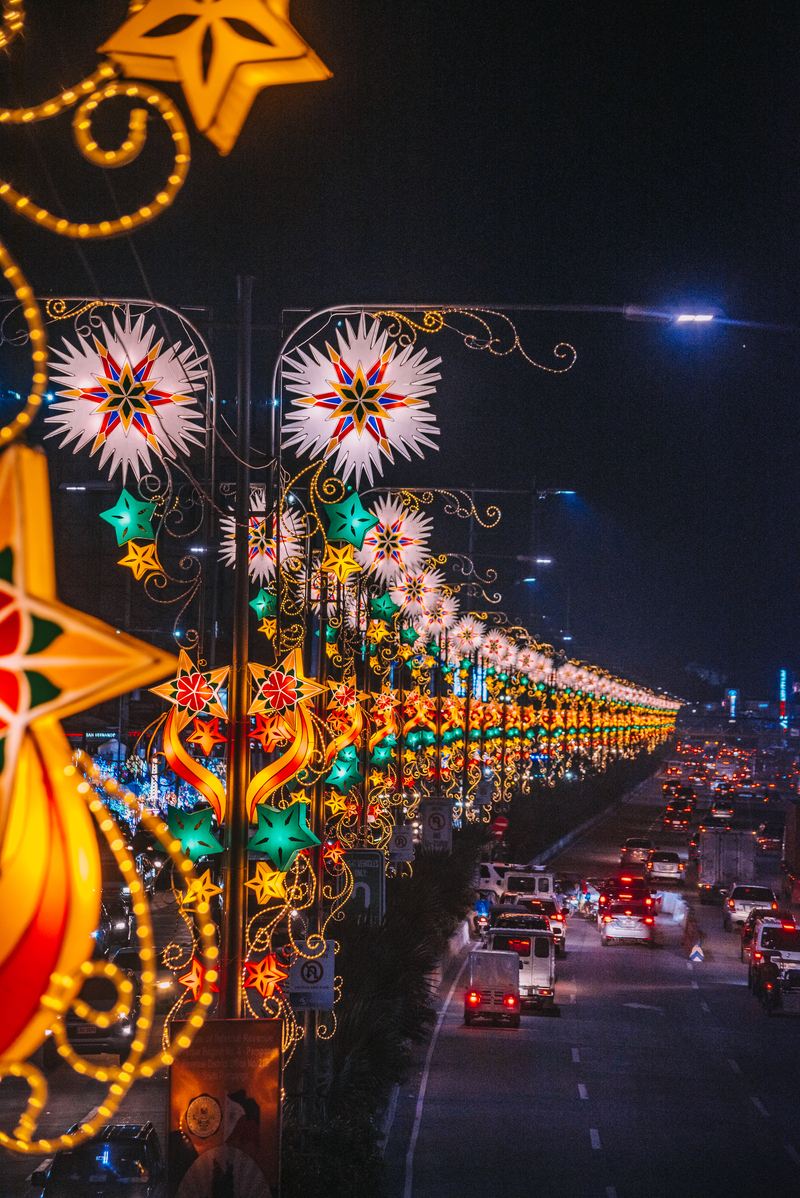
[[657, 1078]]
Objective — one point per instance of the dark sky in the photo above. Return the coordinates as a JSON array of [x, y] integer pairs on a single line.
[[525, 152]]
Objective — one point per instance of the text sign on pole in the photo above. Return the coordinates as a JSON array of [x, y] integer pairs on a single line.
[[369, 884], [224, 1110], [401, 846], [437, 824], [310, 983]]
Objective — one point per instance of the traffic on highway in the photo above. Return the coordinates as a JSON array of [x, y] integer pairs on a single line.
[[626, 1019]]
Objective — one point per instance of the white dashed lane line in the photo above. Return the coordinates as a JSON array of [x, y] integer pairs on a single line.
[[759, 1105], [611, 1192], [582, 1091], [705, 1007], [792, 1153], [734, 1067], [694, 985], [576, 1056], [594, 1138]]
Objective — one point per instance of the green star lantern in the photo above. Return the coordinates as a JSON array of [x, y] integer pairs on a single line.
[[193, 830], [349, 520], [383, 607], [282, 834], [265, 605], [344, 773], [130, 518]]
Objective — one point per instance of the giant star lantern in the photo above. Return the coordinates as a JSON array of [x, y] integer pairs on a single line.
[[126, 397], [221, 52], [343, 774], [383, 607], [193, 830], [282, 834], [267, 883], [270, 731], [279, 691], [265, 975], [201, 890], [206, 734], [53, 661], [264, 548], [339, 562], [265, 604], [358, 404], [398, 544], [130, 518], [349, 520], [194, 692]]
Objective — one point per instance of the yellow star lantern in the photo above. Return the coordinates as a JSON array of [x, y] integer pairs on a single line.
[[336, 805], [340, 561], [282, 690], [53, 661], [142, 560], [221, 52], [267, 884], [193, 692], [201, 890]]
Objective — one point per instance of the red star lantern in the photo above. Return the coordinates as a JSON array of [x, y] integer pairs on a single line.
[[280, 691], [265, 975], [194, 979], [205, 734], [333, 852], [270, 731]]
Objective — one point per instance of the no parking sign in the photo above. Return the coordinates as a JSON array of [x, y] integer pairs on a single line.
[[401, 846], [437, 824], [310, 982]]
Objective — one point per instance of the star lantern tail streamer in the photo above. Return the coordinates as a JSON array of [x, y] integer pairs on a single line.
[[191, 770], [49, 892], [348, 737], [283, 768]]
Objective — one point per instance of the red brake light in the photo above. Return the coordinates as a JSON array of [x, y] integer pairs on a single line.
[[788, 927], [648, 902], [626, 896], [510, 1000], [628, 911], [626, 878], [649, 919], [606, 919], [774, 906], [603, 900], [731, 903], [473, 998], [758, 956]]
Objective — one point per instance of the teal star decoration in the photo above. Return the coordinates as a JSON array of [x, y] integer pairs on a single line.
[[409, 635], [383, 607], [193, 830], [349, 520], [281, 834], [130, 518], [265, 605], [344, 773], [382, 753]]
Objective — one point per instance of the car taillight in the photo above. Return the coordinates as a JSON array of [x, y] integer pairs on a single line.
[[758, 956], [648, 902], [602, 900], [473, 998], [556, 918], [774, 906], [788, 927], [768, 986], [510, 1000], [681, 866], [606, 919], [628, 911], [731, 904], [648, 919]]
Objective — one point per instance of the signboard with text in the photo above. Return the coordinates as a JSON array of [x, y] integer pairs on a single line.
[[310, 982], [369, 884], [401, 846], [224, 1111]]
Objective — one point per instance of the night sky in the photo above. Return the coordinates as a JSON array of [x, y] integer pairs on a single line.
[[530, 153]]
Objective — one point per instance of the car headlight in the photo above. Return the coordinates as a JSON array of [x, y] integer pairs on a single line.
[[120, 925], [164, 984]]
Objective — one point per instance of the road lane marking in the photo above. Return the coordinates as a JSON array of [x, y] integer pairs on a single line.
[[408, 1188], [576, 1056], [594, 1137], [734, 1066], [792, 1153], [695, 985], [582, 1091], [573, 997], [705, 1007], [611, 1192], [759, 1105], [689, 965]]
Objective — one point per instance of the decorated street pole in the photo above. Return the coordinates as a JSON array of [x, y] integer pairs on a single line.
[[234, 870]]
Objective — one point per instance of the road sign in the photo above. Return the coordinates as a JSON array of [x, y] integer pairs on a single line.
[[697, 953], [310, 983], [369, 884], [401, 846], [484, 791], [499, 827], [437, 824]]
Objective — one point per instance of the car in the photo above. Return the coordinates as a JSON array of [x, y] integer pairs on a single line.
[[122, 1160], [631, 920], [749, 928], [635, 850], [85, 1037], [776, 942], [549, 909], [665, 866], [536, 954], [675, 819], [741, 900], [723, 808], [167, 988], [512, 917], [625, 889]]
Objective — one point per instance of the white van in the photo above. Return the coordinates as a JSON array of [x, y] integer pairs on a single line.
[[527, 884], [537, 962]]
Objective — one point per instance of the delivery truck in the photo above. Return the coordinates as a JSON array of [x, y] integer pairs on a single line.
[[493, 987], [725, 855]]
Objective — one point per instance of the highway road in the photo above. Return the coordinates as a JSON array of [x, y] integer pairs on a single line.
[[657, 1078]]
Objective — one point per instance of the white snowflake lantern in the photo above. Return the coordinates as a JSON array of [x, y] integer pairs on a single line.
[[262, 548], [398, 544]]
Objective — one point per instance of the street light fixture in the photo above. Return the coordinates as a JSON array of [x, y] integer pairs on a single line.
[[694, 317]]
